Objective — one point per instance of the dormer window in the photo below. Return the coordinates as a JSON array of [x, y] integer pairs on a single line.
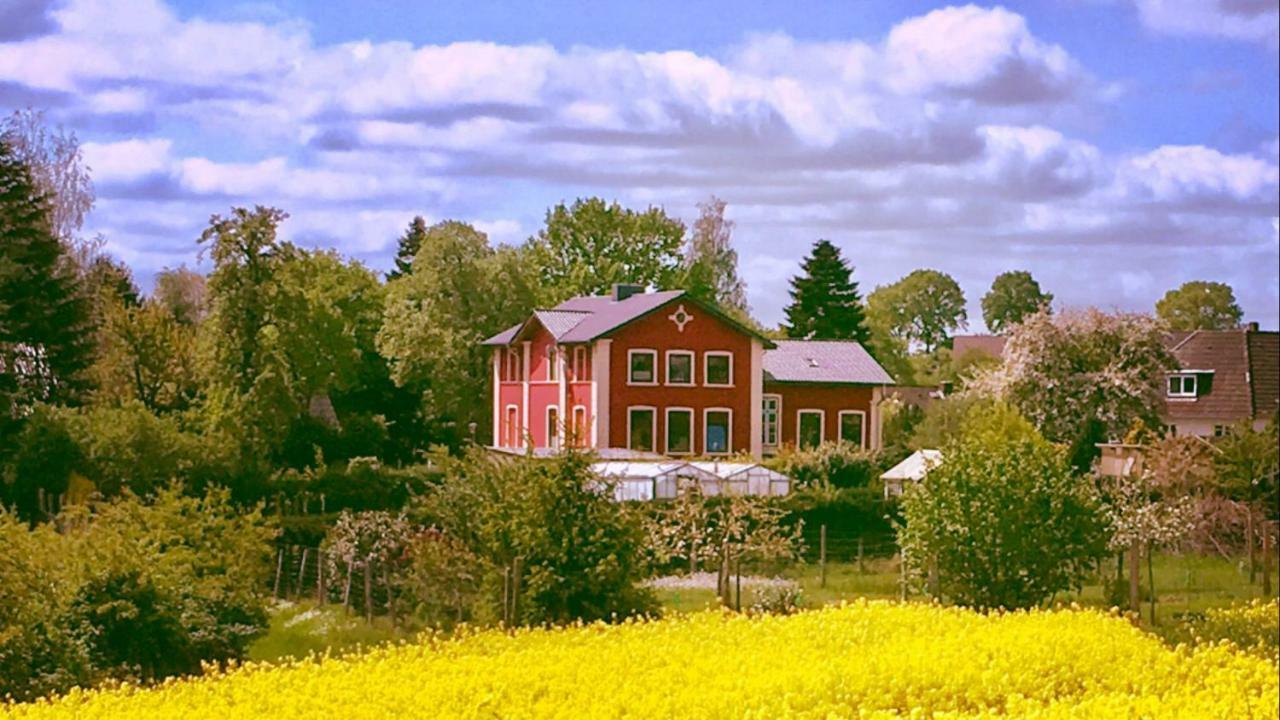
[[1182, 386]]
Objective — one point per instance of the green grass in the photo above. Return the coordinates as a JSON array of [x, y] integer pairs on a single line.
[[298, 629]]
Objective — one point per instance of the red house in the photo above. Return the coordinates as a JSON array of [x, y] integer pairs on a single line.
[[664, 373]]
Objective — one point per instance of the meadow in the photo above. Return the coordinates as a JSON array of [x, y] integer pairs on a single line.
[[868, 659]]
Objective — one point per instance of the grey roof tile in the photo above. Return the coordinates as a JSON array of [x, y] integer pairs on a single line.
[[823, 361]]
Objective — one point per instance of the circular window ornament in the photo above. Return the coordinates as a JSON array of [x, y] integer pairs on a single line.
[[680, 317]]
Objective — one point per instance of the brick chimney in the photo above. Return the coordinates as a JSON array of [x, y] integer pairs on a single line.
[[622, 291], [1251, 326]]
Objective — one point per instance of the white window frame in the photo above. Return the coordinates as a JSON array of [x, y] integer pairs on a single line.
[[582, 435], [822, 424], [666, 430], [706, 363], [1220, 431], [555, 438], [512, 371], [1182, 379], [862, 441], [693, 368], [513, 434], [653, 429], [553, 363], [728, 436], [580, 363], [642, 351], [777, 421]]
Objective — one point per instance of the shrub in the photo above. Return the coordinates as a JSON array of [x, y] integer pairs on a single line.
[[777, 599], [838, 464], [1003, 519], [443, 579], [1253, 627], [848, 514]]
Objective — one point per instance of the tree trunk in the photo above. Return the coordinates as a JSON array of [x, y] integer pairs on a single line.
[[1135, 599], [1248, 544], [1151, 583], [368, 591]]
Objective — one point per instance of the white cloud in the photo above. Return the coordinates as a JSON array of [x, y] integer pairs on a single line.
[[1181, 173], [1250, 20], [127, 160]]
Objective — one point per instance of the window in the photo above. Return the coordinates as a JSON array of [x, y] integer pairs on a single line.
[[679, 367], [580, 364], [640, 428], [580, 431], [851, 427], [679, 431], [642, 367], [1182, 386], [553, 363], [719, 368], [512, 430], [553, 427], [809, 428], [717, 431], [513, 366], [1219, 430], [770, 412], [1171, 430]]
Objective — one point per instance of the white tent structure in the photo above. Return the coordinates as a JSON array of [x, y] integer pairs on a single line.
[[913, 469], [644, 480]]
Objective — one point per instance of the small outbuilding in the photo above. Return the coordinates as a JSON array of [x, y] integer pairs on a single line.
[[913, 469]]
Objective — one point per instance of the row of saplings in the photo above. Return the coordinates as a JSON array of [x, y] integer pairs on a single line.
[[534, 542]]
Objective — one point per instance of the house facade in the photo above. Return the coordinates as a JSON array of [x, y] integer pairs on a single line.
[[663, 373]]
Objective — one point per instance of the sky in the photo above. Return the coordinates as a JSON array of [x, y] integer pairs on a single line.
[[1114, 148]]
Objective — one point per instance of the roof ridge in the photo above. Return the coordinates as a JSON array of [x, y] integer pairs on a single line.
[[1192, 334]]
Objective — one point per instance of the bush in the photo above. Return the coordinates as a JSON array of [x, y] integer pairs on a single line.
[[443, 580], [1253, 627], [837, 464], [777, 599], [848, 514], [1003, 519], [129, 590]]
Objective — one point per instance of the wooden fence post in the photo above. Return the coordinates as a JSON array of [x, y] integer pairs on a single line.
[[1266, 561], [391, 596], [506, 596], [1248, 544], [822, 556], [902, 575], [302, 569], [346, 592], [516, 572], [320, 589], [368, 590], [1135, 552], [275, 589], [862, 570]]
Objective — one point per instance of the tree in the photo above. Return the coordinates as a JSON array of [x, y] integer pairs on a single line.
[[1200, 305], [1003, 520], [407, 247], [45, 331], [461, 291], [1013, 296], [182, 293], [710, 270], [825, 304], [56, 164], [925, 307], [586, 248], [1082, 376], [108, 280]]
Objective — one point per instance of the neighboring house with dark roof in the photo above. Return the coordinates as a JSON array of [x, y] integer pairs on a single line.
[[1223, 377], [662, 372]]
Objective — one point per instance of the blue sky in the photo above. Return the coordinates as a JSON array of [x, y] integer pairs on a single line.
[[1114, 148]]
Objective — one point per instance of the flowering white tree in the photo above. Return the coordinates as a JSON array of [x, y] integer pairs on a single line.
[[366, 542], [1081, 376]]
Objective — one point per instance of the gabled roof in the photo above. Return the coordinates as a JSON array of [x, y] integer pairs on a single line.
[[1264, 372], [823, 361], [1235, 379], [585, 318]]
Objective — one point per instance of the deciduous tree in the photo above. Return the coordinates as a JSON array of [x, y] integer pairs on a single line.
[[925, 307], [710, 269], [1013, 296], [1200, 305]]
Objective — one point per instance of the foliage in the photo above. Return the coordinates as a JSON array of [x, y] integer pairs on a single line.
[[407, 247], [1248, 466], [1253, 627], [848, 514], [1200, 305], [923, 308], [578, 549], [838, 464], [1082, 377], [1013, 296], [898, 423], [825, 304], [869, 659], [145, 355], [129, 590], [1003, 519], [777, 599], [443, 579], [945, 420], [56, 163], [710, 268], [589, 246], [183, 293], [435, 318], [45, 334]]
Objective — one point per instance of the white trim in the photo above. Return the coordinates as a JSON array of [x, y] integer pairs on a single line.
[[706, 359], [877, 422], [579, 367], [642, 351], [822, 424], [562, 365], [583, 435], [553, 363], [1182, 377], [777, 422], [515, 430], [524, 404], [756, 419], [862, 427], [693, 368], [555, 438], [498, 355], [666, 430], [728, 438], [600, 359], [653, 432]]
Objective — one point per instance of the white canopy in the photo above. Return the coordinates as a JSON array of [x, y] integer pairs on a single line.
[[913, 469]]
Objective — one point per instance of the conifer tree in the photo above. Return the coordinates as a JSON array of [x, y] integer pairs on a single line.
[[409, 244], [825, 304], [46, 341]]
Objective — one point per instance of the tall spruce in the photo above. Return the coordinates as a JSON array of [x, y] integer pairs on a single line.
[[409, 245], [825, 304], [46, 340]]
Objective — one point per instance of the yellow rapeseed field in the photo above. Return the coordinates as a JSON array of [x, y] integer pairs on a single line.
[[864, 660]]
